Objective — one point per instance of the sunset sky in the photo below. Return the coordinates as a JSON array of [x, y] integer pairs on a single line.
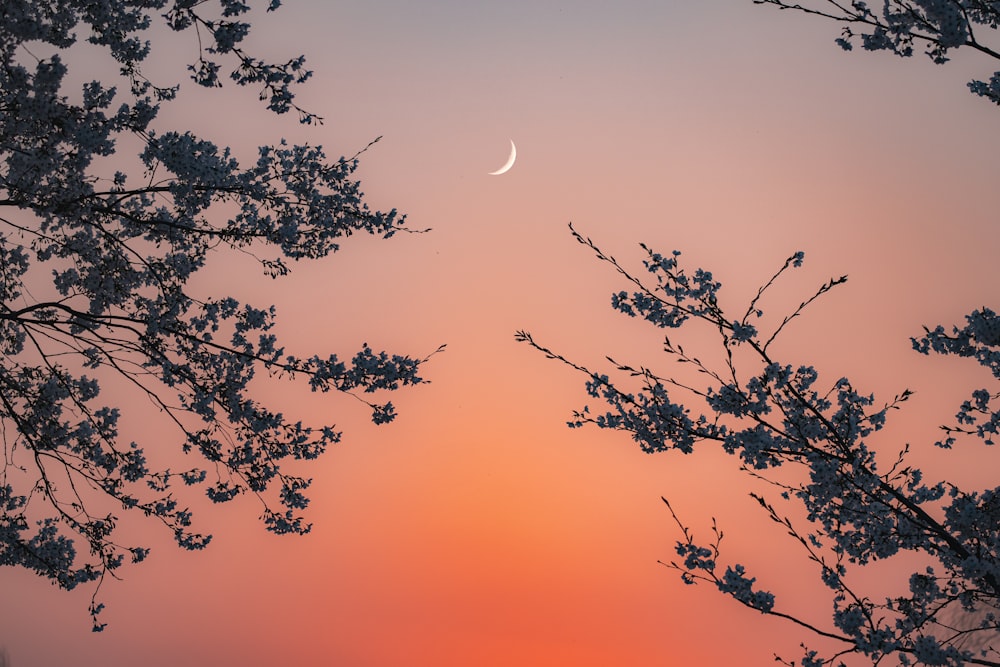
[[478, 529]]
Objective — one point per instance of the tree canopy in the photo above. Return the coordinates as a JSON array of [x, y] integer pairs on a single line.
[[939, 27], [810, 441], [97, 253], [844, 501]]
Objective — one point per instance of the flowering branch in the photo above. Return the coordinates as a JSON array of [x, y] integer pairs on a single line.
[[774, 416]]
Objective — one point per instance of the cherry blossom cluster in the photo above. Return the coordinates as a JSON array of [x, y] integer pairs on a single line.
[[816, 444], [111, 250], [898, 26]]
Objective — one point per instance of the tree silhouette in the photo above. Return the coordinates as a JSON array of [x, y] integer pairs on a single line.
[[900, 26], [809, 440], [96, 262]]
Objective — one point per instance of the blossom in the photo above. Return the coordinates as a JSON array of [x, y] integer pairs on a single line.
[[808, 437], [121, 249]]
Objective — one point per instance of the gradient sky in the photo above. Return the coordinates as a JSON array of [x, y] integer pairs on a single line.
[[477, 529]]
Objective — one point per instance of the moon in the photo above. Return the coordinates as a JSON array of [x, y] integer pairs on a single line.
[[509, 163]]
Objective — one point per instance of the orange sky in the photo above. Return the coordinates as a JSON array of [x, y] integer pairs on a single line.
[[478, 529]]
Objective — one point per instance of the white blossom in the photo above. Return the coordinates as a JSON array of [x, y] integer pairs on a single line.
[[859, 506], [120, 249]]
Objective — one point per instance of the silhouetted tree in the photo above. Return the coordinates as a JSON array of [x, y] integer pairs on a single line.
[[96, 259], [809, 440], [900, 26]]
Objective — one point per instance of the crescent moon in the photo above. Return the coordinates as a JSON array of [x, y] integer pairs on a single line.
[[509, 163]]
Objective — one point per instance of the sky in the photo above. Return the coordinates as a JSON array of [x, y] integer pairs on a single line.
[[477, 528]]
